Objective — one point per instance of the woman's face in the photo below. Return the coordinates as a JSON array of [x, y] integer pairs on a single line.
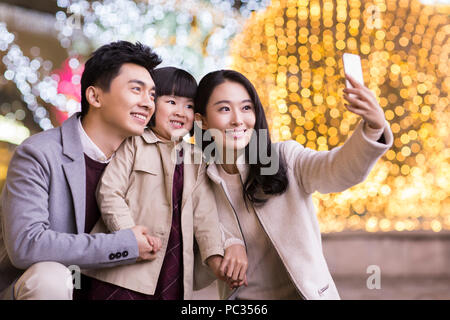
[[174, 117], [230, 116]]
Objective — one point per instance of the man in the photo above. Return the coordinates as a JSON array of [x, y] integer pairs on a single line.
[[48, 201]]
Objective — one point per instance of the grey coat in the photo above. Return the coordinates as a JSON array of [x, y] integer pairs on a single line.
[[43, 209]]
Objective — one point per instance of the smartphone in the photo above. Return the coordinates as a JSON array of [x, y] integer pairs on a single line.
[[352, 67]]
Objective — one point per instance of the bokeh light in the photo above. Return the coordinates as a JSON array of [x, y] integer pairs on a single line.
[[292, 52]]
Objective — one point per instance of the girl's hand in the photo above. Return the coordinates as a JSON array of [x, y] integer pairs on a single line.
[[155, 243], [214, 263], [234, 265], [152, 247], [364, 104]]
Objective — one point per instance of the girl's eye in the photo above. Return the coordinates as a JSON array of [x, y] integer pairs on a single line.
[[171, 102], [190, 106], [247, 107]]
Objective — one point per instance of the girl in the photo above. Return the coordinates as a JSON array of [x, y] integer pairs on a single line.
[[270, 185], [153, 181]]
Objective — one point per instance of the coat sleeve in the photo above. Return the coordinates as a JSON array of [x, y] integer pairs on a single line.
[[228, 238], [340, 168], [207, 230], [26, 227], [113, 187]]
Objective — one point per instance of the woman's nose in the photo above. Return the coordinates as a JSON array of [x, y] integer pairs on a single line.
[[236, 119]]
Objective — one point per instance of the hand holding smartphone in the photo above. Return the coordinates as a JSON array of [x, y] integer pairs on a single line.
[[352, 67], [361, 100]]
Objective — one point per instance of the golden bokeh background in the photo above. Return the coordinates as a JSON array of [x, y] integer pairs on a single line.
[[292, 53]]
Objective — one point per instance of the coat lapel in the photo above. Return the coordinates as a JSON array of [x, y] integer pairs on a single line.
[[75, 170], [76, 178], [168, 165], [190, 176]]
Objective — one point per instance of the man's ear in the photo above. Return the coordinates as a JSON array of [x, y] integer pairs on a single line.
[[93, 96], [200, 121]]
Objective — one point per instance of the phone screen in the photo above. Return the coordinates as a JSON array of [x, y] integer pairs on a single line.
[[352, 67]]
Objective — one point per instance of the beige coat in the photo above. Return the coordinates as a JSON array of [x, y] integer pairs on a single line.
[[136, 189], [290, 220]]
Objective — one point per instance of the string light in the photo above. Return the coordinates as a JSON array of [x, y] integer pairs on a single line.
[[24, 72], [292, 52], [190, 34], [12, 131]]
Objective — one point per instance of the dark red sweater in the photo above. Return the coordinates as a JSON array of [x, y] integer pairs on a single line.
[[94, 171]]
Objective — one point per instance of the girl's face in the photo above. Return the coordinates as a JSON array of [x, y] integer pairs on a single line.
[[174, 117], [230, 116]]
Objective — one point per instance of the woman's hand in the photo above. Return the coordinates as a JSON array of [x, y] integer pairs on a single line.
[[234, 266], [364, 104]]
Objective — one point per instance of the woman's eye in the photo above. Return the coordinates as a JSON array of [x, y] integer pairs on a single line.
[[224, 109], [247, 107]]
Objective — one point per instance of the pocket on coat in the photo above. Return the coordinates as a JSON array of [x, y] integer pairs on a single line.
[[151, 171]]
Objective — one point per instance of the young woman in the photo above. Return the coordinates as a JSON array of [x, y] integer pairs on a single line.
[[269, 185], [153, 181]]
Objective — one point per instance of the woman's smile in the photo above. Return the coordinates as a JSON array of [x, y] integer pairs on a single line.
[[236, 133]]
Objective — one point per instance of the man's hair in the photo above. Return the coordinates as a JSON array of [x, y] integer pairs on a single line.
[[105, 63]]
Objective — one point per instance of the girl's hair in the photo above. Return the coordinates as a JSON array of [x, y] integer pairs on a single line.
[[256, 182], [171, 81]]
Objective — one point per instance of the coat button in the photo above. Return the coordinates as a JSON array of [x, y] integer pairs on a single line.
[[118, 255], [125, 254], [112, 256]]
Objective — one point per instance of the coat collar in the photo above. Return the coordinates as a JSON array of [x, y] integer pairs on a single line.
[[71, 140], [150, 137], [75, 170], [213, 172]]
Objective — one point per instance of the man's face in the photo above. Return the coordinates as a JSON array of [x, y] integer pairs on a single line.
[[130, 101]]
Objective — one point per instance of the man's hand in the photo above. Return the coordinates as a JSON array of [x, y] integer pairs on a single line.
[[364, 104], [146, 243]]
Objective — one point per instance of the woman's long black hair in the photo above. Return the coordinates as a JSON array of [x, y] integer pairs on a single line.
[[257, 186]]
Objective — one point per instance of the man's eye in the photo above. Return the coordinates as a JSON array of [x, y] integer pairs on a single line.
[[136, 89]]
